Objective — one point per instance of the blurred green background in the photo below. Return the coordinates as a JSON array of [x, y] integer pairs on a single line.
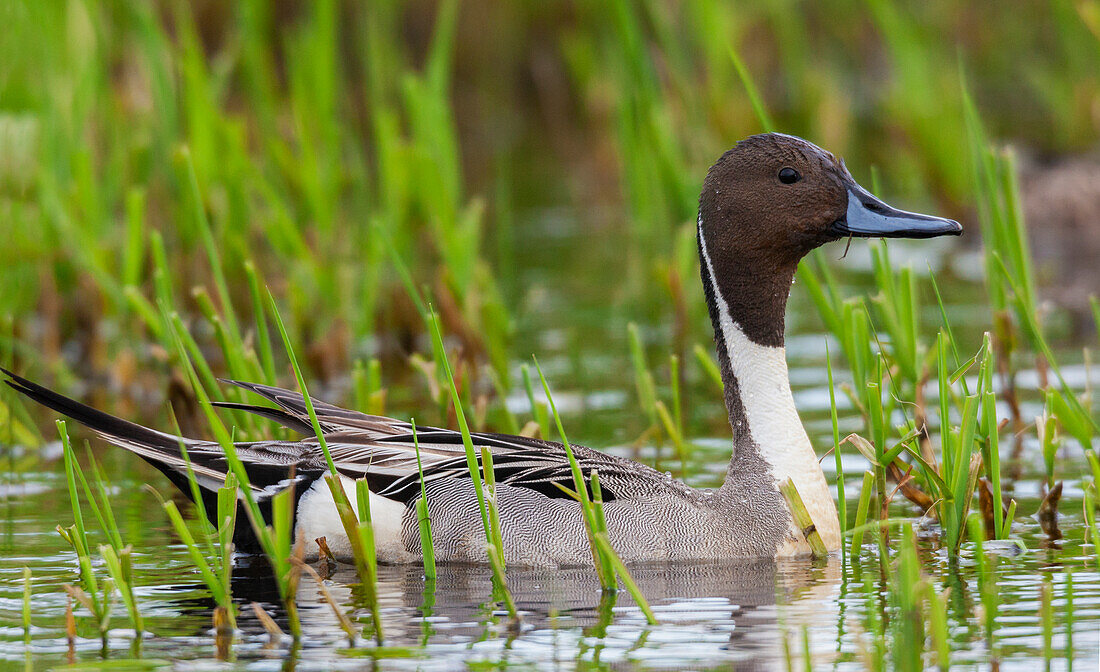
[[534, 165]]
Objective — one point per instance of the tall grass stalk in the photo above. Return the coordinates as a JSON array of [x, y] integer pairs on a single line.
[[861, 513], [359, 532], [757, 102], [539, 411], [607, 562], [842, 501], [26, 606], [477, 463], [215, 569], [985, 568], [643, 379], [603, 564], [1094, 302], [275, 548], [878, 421], [116, 558], [423, 521], [709, 366], [802, 518], [119, 564], [89, 593], [990, 431]]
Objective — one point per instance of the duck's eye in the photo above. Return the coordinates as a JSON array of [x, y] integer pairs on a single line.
[[789, 176]]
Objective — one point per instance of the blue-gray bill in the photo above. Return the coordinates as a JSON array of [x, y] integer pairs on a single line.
[[868, 217]]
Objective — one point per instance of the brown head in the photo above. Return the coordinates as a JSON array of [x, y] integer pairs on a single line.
[[765, 204]]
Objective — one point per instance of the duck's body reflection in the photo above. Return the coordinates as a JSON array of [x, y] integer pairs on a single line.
[[711, 615]]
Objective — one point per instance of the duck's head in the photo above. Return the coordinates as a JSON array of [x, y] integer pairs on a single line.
[[769, 201]]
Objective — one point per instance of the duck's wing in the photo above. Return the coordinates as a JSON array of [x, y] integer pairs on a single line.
[[520, 462], [292, 413], [384, 451]]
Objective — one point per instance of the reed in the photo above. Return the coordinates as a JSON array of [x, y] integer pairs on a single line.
[[479, 464], [423, 521], [643, 379], [709, 366], [1088, 510], [661, 417], [369, 392], [862, 510], [802, 518], [752, 92], [987, 587], [273, 537], [842, 501], [89, 593], [214, 567], [341, 617], [27, 594], [359, 531], [607, 562], [878, 420], [119, 566], [989, 431], [302, 149], [539, 410], [899, 312], [1094, 302], [1046, 618]]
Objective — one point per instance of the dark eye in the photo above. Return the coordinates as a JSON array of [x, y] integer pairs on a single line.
[[789, 176]]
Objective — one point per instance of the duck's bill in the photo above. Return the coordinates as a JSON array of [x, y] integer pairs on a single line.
[[868, 217]]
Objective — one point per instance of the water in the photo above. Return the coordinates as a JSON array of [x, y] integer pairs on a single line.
[[737, 615], [712, 616]]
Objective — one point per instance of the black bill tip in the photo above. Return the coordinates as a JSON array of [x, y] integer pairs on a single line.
[[868, 217]]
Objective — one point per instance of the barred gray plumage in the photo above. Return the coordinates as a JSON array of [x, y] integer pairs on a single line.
[[650, 516]]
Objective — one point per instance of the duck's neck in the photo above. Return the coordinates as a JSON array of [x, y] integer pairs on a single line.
[[747, 297]]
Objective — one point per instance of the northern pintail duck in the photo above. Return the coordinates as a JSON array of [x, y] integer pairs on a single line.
[[765, 204]]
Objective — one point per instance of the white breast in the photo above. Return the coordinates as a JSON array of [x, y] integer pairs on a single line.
[[317, 517]]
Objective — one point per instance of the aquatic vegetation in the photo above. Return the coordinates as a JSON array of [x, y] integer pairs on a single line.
[[480, 467], [358, 530], [215, 566], [88, 593], [423, 521], [609, 566], [169, 174]]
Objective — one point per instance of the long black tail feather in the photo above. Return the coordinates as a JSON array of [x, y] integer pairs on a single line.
[[103, 423], [162, 451]]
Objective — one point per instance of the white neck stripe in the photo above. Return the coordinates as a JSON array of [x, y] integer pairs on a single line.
[[773, 423]]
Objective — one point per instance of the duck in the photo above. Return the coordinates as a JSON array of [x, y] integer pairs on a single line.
[[764, 205]]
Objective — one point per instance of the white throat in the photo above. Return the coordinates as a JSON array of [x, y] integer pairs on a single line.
[[773, 423]]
